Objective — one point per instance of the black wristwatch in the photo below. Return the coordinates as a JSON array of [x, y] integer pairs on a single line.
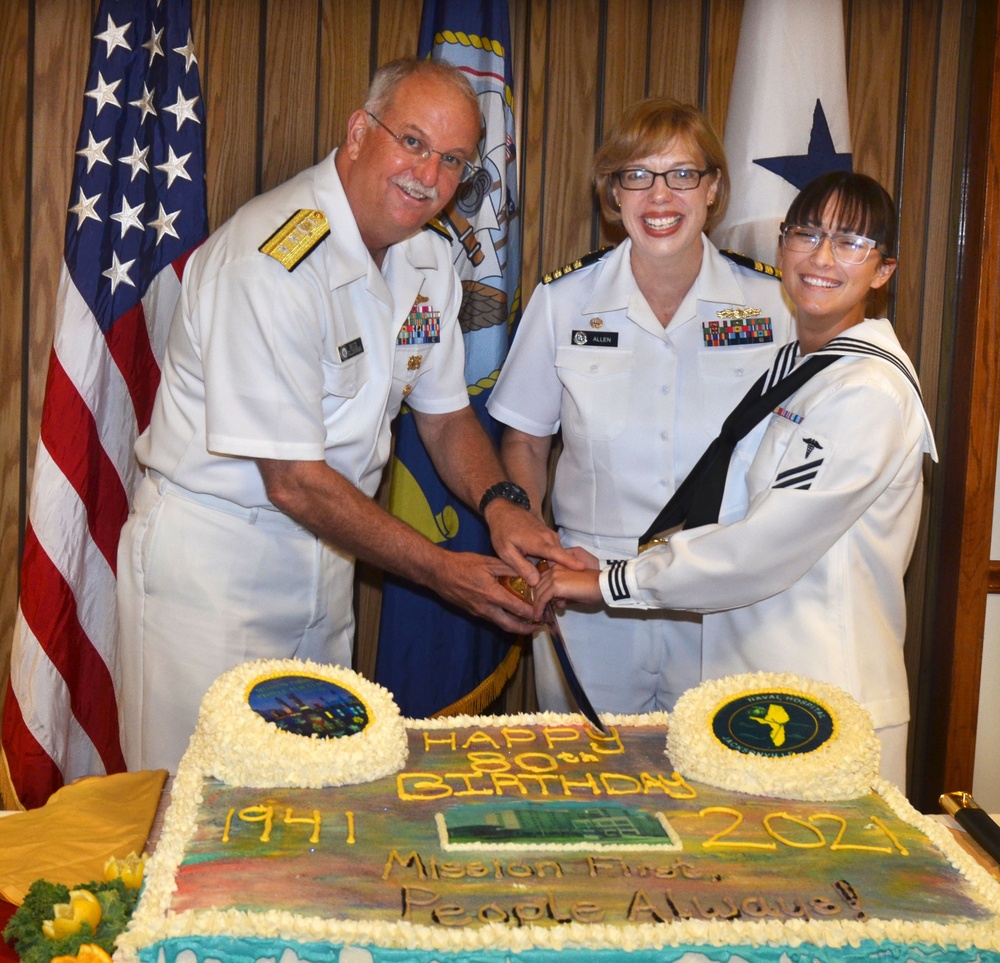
[[505, 489]]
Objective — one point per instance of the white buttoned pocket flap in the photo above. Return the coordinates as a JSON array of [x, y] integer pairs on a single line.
[[735, 363], [596, 396], [344, 379]]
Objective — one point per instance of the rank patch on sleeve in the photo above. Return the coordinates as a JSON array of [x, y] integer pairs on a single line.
[[722, 334], [422, 326]]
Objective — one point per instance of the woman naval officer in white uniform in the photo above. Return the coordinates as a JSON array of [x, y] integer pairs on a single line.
[[636, 356], [804, 572]]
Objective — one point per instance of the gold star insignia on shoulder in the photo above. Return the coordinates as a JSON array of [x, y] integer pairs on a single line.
[[296, 238]]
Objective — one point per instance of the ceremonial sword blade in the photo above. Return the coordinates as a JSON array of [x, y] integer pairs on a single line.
[[572, 679]]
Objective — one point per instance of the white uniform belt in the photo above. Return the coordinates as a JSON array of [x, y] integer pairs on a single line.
[[260, 515]]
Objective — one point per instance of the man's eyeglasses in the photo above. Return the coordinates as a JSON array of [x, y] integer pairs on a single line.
[[847, 248], [452, 164], [678, 179]]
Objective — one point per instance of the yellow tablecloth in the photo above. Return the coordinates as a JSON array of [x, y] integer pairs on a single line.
[[69, 839]]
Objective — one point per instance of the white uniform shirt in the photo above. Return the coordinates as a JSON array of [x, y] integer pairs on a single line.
[[263, 362], [637, 403], [809, 579]]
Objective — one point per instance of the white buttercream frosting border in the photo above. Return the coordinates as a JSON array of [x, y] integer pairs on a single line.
[[243, 749], [845, 767]]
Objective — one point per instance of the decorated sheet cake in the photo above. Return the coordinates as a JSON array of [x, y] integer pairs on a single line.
[[309, 818]]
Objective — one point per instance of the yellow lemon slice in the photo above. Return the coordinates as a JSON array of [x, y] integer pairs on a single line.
[[129, 870], [92, 953], [83, 907]]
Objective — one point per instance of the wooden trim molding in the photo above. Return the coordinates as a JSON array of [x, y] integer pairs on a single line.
[[994, 583]]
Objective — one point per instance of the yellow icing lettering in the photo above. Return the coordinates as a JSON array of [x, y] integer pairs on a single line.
[[350, 827], [556, 734], [314, 820], [514, 736], [480, 737], [450, 740], [716, 842], [544, 763], [838, 843], [609, 745], [540, 780], [508, 780], [617, 784], [421, 785], [467, 778], [674, 786], [817, 843], [540, 868], [229, 822], [488, 762], [259, 814], [588, 782], [892, 836]]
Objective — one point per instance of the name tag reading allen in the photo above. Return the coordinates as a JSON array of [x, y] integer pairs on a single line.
[[350, 349], [596, 339]]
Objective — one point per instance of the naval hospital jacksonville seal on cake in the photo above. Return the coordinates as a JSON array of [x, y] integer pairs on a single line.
[[308, 821]]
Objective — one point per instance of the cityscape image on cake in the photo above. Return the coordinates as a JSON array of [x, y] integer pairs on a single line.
[[307, 706]]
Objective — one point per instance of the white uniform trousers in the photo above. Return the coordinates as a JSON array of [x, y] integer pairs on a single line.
[[628, 661], [241, 584]]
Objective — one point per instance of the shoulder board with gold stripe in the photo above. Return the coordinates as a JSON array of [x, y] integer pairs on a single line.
[[577, 264], [296, 238], [437, 226], [746, 261]]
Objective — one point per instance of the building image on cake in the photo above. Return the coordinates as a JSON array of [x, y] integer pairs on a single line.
[[569, 823]]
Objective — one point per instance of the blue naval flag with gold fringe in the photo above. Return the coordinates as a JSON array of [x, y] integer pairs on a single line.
[[431, 654]]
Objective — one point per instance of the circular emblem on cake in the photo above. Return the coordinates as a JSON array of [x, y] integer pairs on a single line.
[[309, 705], [774, 735], [773, 723], [298, 723]]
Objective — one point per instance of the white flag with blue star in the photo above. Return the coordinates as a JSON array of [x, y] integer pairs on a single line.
[[788, 118]]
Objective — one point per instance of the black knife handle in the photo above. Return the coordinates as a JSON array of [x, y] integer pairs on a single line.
[[978, 824], [974, 820]]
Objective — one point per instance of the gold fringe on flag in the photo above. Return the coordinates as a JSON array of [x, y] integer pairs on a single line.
[[8, 794], [488, 691]]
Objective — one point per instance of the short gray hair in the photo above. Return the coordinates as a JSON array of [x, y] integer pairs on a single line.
[[389, 76]]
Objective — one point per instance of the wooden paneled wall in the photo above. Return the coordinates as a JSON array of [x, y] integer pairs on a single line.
[[280, 78]]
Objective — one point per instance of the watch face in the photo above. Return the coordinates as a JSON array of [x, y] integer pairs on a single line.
[[509, 491]]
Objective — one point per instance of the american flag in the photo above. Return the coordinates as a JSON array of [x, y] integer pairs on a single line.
[[136, 210]]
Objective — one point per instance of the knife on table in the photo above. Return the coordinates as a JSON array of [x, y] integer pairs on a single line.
[[521, 588], [975, 821]]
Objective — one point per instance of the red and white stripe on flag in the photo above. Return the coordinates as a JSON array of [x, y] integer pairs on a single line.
[[137, 209]]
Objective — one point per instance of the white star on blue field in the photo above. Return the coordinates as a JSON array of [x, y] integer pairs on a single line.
[[800, 169]]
